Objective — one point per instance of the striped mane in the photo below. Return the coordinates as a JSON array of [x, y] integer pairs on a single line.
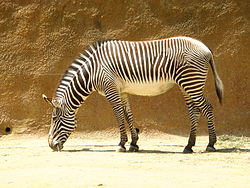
[[80, 63]]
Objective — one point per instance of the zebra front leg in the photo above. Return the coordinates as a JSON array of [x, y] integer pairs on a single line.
[[133, 145], [194, 114], [129, 118], [114, 98], [124, 139]]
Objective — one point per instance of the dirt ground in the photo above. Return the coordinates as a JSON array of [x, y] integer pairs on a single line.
[[90, 160]]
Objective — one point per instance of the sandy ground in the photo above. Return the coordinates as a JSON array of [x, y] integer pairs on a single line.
[[90, 160]]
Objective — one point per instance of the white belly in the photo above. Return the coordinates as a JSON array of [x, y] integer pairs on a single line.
[[145, 89]]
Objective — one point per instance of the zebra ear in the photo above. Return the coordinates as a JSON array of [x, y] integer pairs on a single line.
[[48, 100]]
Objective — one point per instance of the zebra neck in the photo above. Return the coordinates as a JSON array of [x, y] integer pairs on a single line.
[[76, 85]]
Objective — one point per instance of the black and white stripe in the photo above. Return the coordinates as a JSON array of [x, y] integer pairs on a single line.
[[117, 68]]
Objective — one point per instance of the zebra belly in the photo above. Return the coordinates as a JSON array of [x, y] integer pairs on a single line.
[[146, 89]]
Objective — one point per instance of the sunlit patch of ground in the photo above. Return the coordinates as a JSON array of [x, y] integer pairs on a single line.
[[90, 160]]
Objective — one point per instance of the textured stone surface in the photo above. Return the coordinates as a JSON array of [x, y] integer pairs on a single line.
[[39, 39]]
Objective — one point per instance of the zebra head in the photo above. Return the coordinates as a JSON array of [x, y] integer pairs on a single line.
[[62, 124]]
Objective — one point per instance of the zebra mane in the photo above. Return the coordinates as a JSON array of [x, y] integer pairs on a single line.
[[76, 65], [87, 53]]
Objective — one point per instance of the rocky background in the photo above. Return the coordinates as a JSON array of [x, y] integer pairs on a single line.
[[39, 39]]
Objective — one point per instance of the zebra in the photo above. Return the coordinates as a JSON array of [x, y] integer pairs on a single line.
[[116, 68]]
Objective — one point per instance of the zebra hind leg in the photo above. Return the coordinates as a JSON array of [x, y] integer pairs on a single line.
[[129, 118], [193, 86], [194, 114], [207, 110]]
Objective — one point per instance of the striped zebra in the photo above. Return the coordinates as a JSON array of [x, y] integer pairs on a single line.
[[147, 68]]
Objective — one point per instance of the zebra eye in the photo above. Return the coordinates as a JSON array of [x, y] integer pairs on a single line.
[[56, 114], [54, 118]]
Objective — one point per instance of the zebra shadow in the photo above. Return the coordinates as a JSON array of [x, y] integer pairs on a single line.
[[151, 151], [142, 151], [232, 150], [92, 148], [112, 148]]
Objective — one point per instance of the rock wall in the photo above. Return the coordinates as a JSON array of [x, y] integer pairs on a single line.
[[39, 39]]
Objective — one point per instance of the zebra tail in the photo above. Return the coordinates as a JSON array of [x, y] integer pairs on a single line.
[[218, 83]]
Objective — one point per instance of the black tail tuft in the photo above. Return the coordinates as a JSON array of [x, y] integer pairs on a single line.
[[219, 90], [218, 83]]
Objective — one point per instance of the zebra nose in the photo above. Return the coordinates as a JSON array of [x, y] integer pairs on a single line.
[[55, 145]]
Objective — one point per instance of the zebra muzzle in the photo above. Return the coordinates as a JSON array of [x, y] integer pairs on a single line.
[[58, 147], [55, 145]]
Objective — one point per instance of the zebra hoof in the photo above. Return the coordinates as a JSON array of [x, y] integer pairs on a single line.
[[188, 150], [133, 148], [210, 149], [121, 149]]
